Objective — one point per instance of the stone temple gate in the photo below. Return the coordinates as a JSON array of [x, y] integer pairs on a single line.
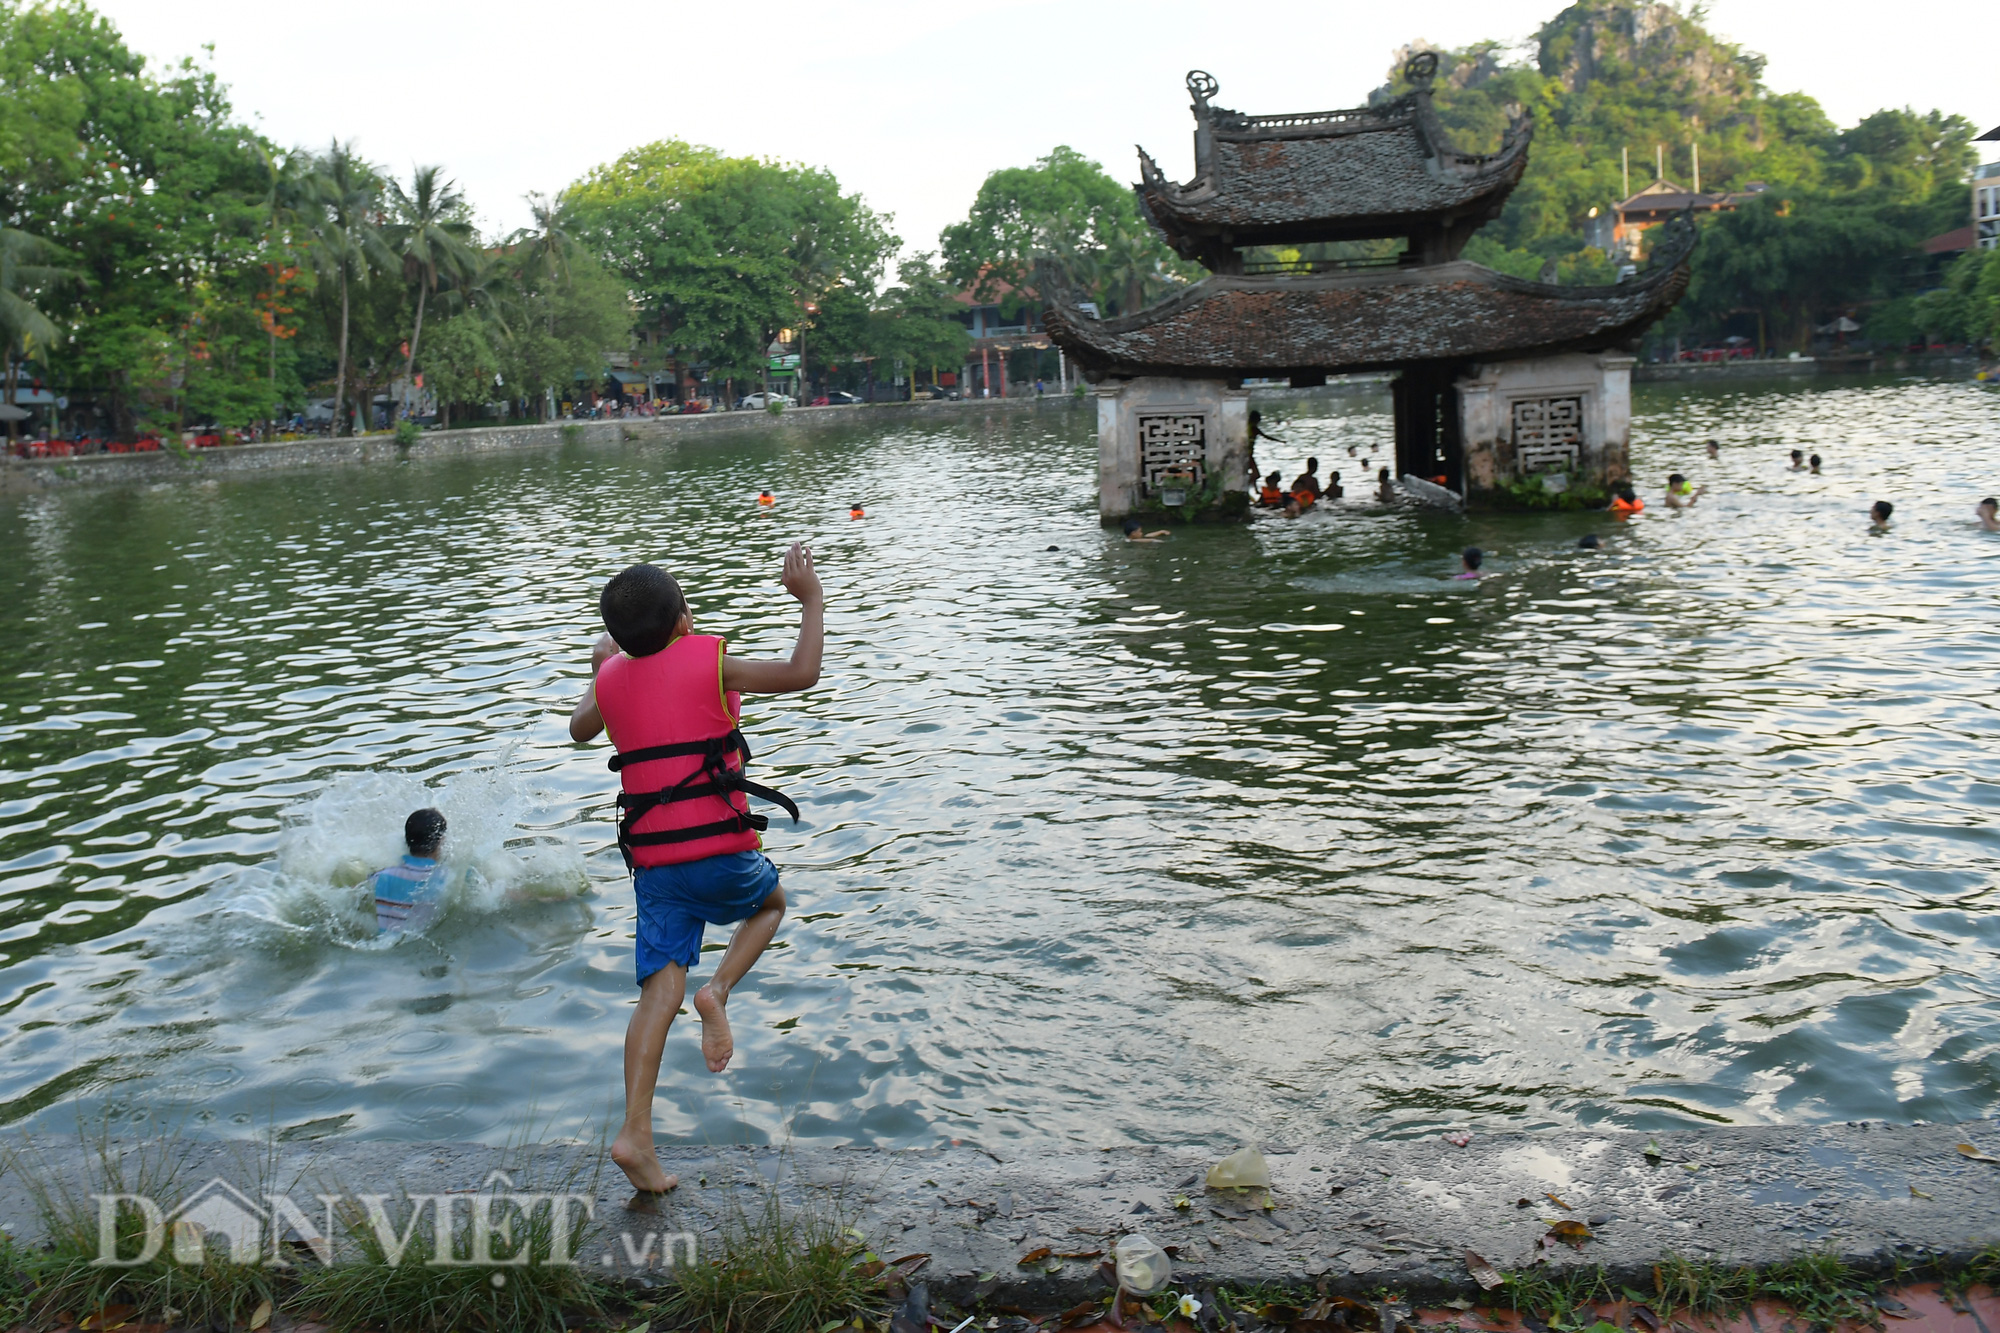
[[1497, 379]]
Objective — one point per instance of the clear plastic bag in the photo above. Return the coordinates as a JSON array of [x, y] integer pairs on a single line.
[[1242, 1169], [1143, 1267]]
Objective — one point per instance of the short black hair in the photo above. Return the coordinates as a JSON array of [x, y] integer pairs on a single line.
[[1130, 525], [1590, 541], [1312, 465], [1881, 509], [1989, 500], [1382, 474], [1798, 453], [1814, 460], [423, 831], [641, 606], [1623, 490], [1336, 476], [1274, 479], [1675, 479], [1473, 557]]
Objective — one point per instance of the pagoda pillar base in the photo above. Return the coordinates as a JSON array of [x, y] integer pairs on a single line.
[[1546, 432], [1162, 440]]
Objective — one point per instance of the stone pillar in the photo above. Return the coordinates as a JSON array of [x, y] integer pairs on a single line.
[[1150, 425], [1555, 421]]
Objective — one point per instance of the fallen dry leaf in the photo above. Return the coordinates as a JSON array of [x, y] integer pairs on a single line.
[[1035, 1255], [111, 1316], [1571, 1233], [1976, 1155], [1078, 1314], [260, 1316], [1916, 1193], [1524, 1203], [915, 1261], [1080, 1254], [1647, 1318], [1485, 1274]]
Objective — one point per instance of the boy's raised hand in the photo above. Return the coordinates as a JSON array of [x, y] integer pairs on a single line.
[[799, 578]]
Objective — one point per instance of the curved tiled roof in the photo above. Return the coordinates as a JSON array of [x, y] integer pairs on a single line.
[[1244, 327], [1369, 171]]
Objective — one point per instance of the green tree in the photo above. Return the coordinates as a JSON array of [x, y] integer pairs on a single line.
[[723, 252], [430, 235], [29, 266], [346, 194], [917, 322]]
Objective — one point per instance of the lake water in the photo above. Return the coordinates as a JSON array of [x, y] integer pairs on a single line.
[[1265, 832]]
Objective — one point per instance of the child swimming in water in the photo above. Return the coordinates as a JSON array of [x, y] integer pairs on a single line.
[[1625, 501], [410, 894], [1988, 513], [1385, 490], [1136, 532], [670, 700], [1682, 493], [1878, 515], [1469, 560]]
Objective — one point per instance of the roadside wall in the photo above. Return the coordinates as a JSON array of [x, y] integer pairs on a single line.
[[35, 474]]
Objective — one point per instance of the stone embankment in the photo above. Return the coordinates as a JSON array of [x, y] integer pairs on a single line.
[[1359, 1215], [142, 469]]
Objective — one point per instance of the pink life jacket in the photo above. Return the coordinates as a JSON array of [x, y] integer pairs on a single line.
[[680, 756]]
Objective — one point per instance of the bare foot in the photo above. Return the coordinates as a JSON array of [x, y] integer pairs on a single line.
[[716, 1043], [641, 1167]]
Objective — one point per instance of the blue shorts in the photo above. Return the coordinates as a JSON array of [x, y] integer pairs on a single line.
[[676, 901]]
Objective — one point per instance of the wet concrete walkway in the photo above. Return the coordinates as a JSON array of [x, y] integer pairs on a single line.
[[1352, 1216]]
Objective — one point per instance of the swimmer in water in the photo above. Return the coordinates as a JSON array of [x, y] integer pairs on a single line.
[[1135, 532], [1988, 513], [1813, 464], [1385, 490], [1714, 449], [1625, 501], [1271, 495], [409, 894], [1878, 515], [1798, 460], [1469, 560], [1308, 481], [1589, 541], [1682, 493], [1334, 490], [766, 498], [856, 511]]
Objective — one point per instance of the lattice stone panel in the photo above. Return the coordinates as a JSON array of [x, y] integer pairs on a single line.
[[1172, 442], [1548, 434]]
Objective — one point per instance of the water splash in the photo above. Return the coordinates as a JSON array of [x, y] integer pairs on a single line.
[[497, 852]]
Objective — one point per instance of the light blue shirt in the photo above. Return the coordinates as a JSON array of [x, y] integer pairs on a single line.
[[408, 894]]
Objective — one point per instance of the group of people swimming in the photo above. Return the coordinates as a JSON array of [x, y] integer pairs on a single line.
[[1306, 489]]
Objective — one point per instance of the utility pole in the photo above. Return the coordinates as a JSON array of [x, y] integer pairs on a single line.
[[1659, 161], [1625, 165], [1697, 166]]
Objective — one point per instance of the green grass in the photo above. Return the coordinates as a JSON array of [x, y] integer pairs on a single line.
[[782, 1270], [64, 1282]]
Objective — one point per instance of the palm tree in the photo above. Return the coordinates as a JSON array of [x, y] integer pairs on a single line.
[[27, 267], [286, 195], [346, 194], [549, 241], [1128, 266], [431, 239]]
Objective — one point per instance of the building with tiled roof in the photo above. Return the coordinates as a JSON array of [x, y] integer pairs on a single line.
[[1499, 382]]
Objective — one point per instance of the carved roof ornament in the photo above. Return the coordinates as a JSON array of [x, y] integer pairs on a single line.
[[1420, 69], [1201, 86]]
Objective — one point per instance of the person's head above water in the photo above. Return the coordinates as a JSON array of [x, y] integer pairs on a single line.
[[642, 608], [423, 833], [1274, 479], [1880, 511], [1472, 557], [1988, 511], [1589, 541], [1382, 475], [1312, 465], [1623, 490], [1798, 456], [1714, 448], [1814, 461], [1129, 526], [1676, 481]]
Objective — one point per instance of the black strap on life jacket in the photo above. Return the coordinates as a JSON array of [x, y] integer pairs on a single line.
[[714, 778]]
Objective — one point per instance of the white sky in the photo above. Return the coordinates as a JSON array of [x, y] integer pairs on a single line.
[[914, 104]]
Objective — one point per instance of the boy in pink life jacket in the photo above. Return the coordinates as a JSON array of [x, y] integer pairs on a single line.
[[670, 700]]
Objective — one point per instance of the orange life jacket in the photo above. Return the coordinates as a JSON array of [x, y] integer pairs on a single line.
[[1620, 505], [767, 499], [1271, 495], [857, 512], [1304, 499]]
